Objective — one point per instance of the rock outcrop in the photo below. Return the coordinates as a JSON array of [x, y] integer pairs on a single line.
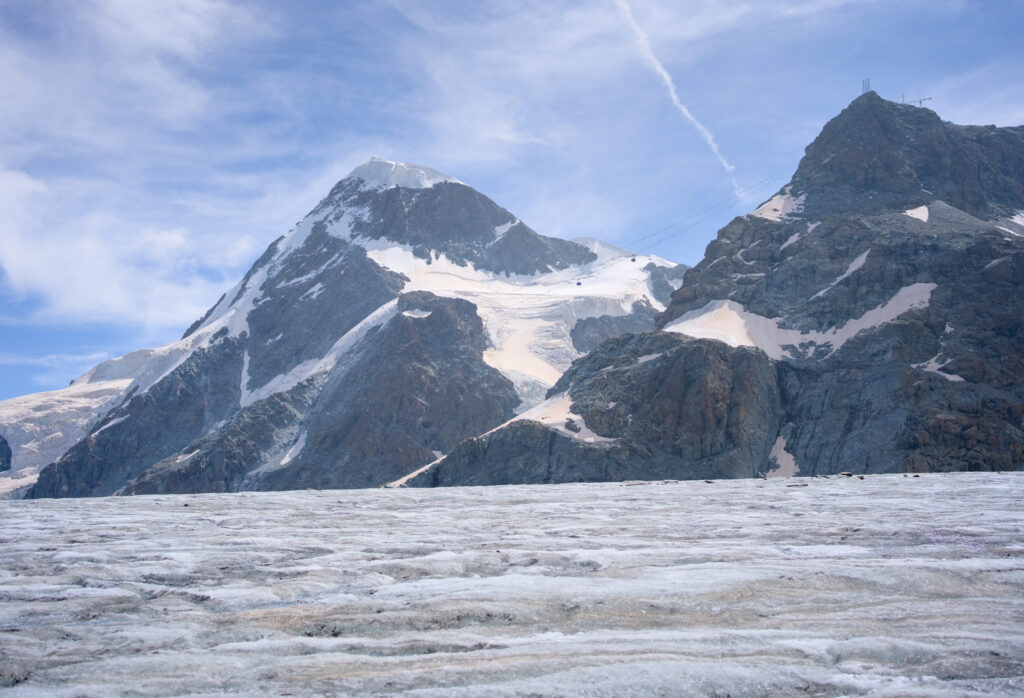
[[5, 455], [661, 405]]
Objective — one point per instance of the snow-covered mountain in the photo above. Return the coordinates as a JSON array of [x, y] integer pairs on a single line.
[[404, 314], [867, 318]]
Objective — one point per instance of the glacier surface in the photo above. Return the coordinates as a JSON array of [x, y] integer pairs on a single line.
[[887, 585]]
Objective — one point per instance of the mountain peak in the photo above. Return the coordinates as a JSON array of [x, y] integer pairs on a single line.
[[377, 173], [881, 155]]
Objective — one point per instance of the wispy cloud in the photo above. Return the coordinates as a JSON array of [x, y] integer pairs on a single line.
[[51, 360], [52, 369], [644, 44]]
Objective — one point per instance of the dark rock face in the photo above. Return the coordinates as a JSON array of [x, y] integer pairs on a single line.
[[662, 278], [589, 332], [453, 219], [316, 295], [189, 402], [676, 407], [414, 386], [941, 387], [301, 305], [5, 455], [376, 426]]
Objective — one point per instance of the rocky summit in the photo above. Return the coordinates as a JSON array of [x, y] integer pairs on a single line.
[[868, 318], [403, 315]]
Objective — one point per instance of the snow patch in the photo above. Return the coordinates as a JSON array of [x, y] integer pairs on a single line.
[[649, 357], [556, 413], [920, 213], [15, 483], [796, 236], [416, 313], [854, 266], [780, 206], [784, 460], [933, 365], [739, 255], [994, 262], [400, 482], [313, 292], [729, 322], [499, 231], [606, 251], [295, 450], [185, 457], [111, 423]]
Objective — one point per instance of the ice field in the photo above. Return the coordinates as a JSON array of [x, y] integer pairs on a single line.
[[890, 585]]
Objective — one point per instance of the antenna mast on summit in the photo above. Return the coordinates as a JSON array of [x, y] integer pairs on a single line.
[[919, 102], [865, 86]]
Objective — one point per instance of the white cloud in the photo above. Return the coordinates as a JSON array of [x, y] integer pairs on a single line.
[[91, 266], [110, 102], [184, 29]]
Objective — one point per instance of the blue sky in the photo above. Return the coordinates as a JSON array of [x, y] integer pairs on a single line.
[[150, 150]]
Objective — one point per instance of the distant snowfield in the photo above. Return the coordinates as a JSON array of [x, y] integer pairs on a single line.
[[42, 426], [889, 585]]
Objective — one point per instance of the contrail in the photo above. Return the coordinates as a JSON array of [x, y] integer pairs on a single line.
[[652, 60]]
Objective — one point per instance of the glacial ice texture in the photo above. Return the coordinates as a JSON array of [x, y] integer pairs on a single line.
[[890, 585]]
